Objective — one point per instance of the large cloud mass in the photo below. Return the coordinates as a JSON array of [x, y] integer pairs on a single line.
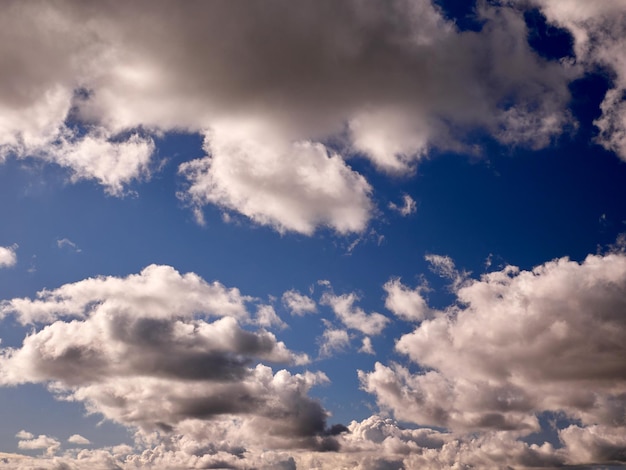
[[141, 351], [599, 32], [270, 86], [517, 344]]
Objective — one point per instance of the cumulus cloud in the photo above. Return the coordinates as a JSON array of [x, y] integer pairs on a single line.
[[266, 316], [333, 340], [141, 351], [8, 257], [158, 292], [296, 92], [355, 317], [78, 439], [516, 344], [366, 346], [298, 303], [42, 442], [598, 31], [297, 187], [406, 303]]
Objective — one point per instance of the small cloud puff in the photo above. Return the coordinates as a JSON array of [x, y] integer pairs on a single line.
[[8, 257], [408, 207], [298, 304], [79, 440]]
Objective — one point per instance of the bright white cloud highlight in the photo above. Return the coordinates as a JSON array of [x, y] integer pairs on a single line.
[[355, 317], [8, 257], [518, 343], [294, 187], [78, 439], [406, 303], [298, 304]]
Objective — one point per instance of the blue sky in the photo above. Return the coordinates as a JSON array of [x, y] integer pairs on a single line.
[[372, 235]]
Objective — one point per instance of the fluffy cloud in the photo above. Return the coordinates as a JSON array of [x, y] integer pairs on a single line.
[[158, 292], [408, 304], [30, 442], [8, 257], [140, 351], [295, 187], [388, 81], [599, 33], [372, 444], [78, 439], [299, 304], [333, 340], [518, 343], [355, 317]]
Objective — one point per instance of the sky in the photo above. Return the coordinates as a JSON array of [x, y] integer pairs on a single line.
[[372, 235]]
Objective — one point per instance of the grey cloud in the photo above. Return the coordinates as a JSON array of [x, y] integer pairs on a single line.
[[138, 351], [385, 80]]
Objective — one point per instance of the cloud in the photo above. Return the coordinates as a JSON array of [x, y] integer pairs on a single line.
[[266, 317], [141, 351], [49, 444], [67, 243], [444, 267], [25, 435], [333, 340], [78, 439], [406, 303], [298, 304], [8, 258], [366, 346], [516, 344], [291, 188], [598, 31], [159, 292], [296, 93], [354, 317], [408, 207]]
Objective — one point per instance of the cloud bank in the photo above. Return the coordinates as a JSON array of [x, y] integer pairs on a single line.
[[288, 96], [166, 354]]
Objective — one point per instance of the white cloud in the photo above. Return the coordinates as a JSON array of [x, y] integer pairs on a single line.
[[85, 77], [444, 267], [366, 346], [112, 163], [49, 444], [355, 317], [24, 435], [8, 257], [333, 340], [146, 338], [372, 444], [67, 243], [408, 207], [518, 343], [289, 187], [158, 292], [406, 303], [78, 439], [599, 33], [299, 304], [266, 316]]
